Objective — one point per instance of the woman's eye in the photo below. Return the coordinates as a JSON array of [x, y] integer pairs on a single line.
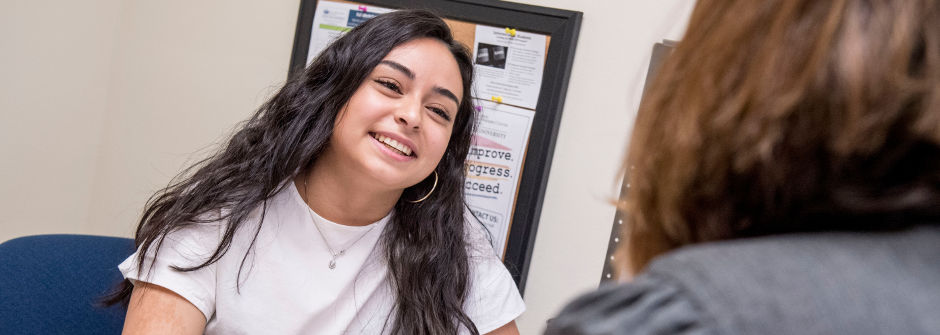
[[390, 85], [440, 112]]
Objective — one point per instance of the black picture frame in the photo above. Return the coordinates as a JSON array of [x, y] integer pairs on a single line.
[[659, 54], [563, 26]]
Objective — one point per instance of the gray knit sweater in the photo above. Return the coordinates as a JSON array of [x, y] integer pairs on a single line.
[[821, 283]]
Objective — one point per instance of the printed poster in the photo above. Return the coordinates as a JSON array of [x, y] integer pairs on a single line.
[[332, 19], [508, 66], [494, 166]]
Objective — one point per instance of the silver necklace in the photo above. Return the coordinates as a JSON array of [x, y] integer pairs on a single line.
[[334, 255]]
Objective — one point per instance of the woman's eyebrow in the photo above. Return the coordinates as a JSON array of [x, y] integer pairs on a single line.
[[404, 69], [411, 75], [447, 93]]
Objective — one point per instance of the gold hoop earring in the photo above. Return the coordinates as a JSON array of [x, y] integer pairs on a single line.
[[425, 197]]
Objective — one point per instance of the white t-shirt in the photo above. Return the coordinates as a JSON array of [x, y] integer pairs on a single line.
[[287, 287]]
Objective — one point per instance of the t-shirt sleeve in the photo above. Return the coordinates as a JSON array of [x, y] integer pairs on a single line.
[[651, 304], [186, 247], [494, 299]]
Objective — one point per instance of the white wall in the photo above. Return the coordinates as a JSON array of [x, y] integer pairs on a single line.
[[55, 63], [184, 73], [104, 100]]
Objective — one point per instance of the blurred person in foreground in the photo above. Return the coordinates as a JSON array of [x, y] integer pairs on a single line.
[[784, 177]]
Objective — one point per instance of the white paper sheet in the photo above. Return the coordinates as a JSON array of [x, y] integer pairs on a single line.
[[494, 165], [332, 19], [508, 66]]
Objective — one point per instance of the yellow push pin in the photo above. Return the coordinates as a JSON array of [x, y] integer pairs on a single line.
[[511, 32], [498, 99]]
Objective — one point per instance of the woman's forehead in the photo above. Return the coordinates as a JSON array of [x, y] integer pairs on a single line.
[[428, 59]]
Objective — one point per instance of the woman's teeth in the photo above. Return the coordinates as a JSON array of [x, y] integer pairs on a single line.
[[403, 149]]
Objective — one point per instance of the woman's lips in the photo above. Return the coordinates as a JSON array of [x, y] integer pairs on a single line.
[[393, 147], [394, 144]]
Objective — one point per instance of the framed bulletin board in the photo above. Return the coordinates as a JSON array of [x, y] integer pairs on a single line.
[[523, 56]]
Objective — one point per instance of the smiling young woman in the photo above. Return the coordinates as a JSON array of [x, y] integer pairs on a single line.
[[337, 208]]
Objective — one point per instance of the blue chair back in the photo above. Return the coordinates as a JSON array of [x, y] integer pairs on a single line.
[[53, 284]]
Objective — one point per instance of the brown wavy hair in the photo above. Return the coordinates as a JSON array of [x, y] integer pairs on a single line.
[[788, 116]]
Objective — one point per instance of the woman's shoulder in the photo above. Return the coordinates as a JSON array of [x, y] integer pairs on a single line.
[[773, 285], [493, 299], [651, 304]]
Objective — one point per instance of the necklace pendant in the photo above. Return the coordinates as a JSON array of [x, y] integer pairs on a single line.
[[332, 264]]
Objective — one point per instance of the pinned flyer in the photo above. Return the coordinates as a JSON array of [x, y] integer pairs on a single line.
[[333, 19], [509, 65], [494, 165]]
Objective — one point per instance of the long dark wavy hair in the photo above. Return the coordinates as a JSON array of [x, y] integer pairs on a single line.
[[424, 243], [786, 116]]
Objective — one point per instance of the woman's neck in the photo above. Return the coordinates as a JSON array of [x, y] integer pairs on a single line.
[[343, 199]]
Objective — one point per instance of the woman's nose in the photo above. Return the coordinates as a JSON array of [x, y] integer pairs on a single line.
[[409, 115]]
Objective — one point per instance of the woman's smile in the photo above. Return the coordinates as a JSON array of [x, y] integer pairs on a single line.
[[398, 149]]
